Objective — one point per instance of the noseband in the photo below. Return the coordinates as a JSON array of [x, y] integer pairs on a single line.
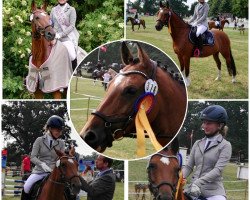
[[39, 31], [111, 122], [154, 188], [165, 23], [63, 179]]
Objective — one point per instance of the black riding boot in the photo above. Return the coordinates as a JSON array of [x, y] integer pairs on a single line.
[[200, 44], [74, 64], [25, 196]]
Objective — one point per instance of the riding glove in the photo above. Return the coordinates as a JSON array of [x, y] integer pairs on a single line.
[[46, 168], [195, 190]]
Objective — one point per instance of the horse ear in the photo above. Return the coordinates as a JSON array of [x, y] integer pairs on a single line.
[[161, 5], [127, 57], [33, 6], [44, 6], [175, 145], [59, 153], [72, 151], [143, 57], [167, 5]]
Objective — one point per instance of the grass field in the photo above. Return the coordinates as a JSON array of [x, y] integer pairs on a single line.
[[235, 190], [203, 71], [119, 192], [123, 149]]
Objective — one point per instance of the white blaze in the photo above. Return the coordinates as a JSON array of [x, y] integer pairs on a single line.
[[118, 80], [165, 160]]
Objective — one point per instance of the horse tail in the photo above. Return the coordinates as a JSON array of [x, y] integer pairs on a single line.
[[231, 66]]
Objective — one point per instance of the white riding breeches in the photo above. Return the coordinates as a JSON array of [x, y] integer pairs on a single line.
[[31, 180], [217, 23], [200, 30], [217, 197], [71, 49]]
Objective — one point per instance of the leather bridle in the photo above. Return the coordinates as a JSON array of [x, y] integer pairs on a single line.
[[112, 122], [154, 188]]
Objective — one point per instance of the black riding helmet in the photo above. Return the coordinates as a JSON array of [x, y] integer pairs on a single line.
[[214, 113], [55, 122]]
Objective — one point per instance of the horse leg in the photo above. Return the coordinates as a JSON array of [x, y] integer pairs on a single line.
[[38, 94], [57, 94], [231, 68], [185, 64], [139, 26], [218, 63], [133, 27]]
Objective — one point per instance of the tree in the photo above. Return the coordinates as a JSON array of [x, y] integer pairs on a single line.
[[23, 122], [226, 6], [240, 8]]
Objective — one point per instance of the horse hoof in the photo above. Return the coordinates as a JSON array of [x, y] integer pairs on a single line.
[[218, 79], [233, 81]]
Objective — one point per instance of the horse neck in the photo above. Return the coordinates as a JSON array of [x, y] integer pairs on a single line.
[[177, 26], [41, 49], [172, 98], [53, 190]]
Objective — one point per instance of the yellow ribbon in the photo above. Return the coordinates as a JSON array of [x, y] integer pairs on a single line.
[[180, 184], [169, 25], [142, 123]]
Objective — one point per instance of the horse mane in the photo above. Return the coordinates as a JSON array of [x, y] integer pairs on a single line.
[[174, 75], [188, 25]]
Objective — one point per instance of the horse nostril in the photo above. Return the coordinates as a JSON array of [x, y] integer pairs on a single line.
[[91, 139]]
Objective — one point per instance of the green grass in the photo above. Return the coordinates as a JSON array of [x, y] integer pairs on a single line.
[[137, 173], [119, 191], [203, 71], [122, 149]]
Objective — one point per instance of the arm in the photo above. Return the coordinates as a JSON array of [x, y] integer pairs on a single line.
[[205, 14], [72, 22], [100, 186], [188, 168], [35, 151], [216, 172], [193, 17]]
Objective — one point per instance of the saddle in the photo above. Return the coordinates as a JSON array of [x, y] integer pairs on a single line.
[[207, 37], [36, 188]]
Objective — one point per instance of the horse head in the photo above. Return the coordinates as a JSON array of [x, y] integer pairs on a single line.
[[163, 172], [114, 117], [163, 16], [66, 172], [41, 23]]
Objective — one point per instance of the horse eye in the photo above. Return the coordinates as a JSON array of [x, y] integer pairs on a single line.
[[130, 91], [152, 166]]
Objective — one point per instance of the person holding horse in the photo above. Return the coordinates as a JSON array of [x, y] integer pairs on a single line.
[[199, 19], [103, 185], [210, 155], [43, 154], [63, 17]]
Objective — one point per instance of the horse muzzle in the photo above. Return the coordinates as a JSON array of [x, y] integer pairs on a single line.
[[164, 196], [97, 139], [50, 35], [159, 25], [75, 186]]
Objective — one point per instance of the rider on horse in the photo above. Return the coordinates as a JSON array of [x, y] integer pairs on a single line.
[[137, 21], [63, 17], [218, 21], [43, 154], [199, 19]]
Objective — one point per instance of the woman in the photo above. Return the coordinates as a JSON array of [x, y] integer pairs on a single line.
[[199, 19], [43, 154], [210, 155], [63, 17]]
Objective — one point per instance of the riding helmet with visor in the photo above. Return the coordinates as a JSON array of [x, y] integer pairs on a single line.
[[55, 122], [214, 113]]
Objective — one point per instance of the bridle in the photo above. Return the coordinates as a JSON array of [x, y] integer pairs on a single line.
[[63, 180], [154, 188], [111, 122], [38, 30], [165, 23]]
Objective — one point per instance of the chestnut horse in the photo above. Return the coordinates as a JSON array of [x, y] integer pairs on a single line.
[[43, 45], [64, 176], [184, 48], [114, 118], [133, 23], [211, 24], [163, 174]]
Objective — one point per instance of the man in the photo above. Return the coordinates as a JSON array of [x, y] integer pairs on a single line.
[[103, 185], [26, 167]]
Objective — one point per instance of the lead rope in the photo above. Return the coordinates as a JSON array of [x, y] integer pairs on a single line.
[[142, 123], [180, 185]]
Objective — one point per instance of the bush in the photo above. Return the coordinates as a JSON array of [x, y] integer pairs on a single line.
[[96, 25]]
